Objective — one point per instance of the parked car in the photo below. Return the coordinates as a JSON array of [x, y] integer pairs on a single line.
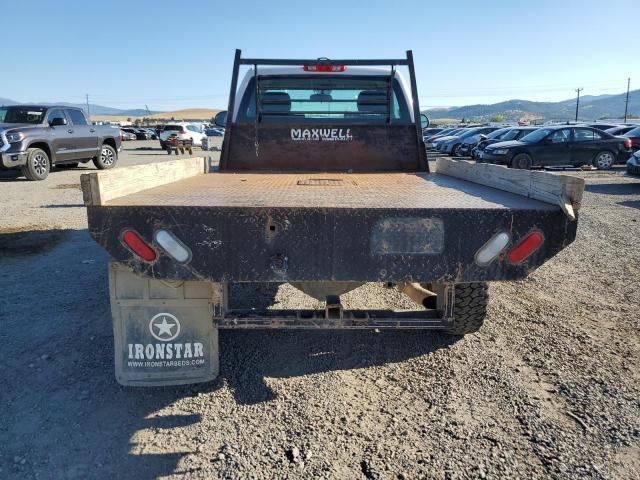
[[620, 129], [634, 136], [602, 126], [471, 135], [35, 138], [150, 132], [214, 132], [560, 145], [515, 133], [126, 135], [440, 139], [429, 131], [468, 146], [139, 133], [633, 164], [428, 140], [184, 131]]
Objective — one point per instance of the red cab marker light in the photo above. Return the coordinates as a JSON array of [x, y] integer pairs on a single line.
[[138, 246], [324, 68], [525, 247]]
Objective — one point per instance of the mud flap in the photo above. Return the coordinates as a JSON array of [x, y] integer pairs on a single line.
[[163, 330]]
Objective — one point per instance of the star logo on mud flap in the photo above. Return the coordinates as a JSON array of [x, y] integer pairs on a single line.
[[164, 327]]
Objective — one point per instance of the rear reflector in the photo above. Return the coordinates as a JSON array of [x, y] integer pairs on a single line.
[[173, 246], [525, 247], [138, 246], [490, 250], [324, 68]]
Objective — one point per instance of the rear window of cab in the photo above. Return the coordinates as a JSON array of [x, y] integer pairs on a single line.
[[311, 99]]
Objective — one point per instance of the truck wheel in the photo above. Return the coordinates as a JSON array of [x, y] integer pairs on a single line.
[[521, 161], [38, 164], [603, 160], [469, 306], [107, 158]]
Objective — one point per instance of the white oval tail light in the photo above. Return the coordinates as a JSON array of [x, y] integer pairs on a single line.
[[492, 249], [173, 246]]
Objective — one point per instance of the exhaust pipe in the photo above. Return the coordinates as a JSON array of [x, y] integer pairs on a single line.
[[419, 294]]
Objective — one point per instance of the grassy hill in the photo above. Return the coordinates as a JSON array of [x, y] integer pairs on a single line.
[[591, 108]]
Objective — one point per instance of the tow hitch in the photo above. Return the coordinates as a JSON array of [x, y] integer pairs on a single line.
[[333, 308]]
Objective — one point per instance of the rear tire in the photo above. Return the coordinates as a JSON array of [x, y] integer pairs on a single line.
[[107, 159], [604, 160], [38, 165], [522, 161], [470, 308], [454, 150]]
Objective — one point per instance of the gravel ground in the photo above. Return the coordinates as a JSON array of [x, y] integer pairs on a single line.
[[548, 389]]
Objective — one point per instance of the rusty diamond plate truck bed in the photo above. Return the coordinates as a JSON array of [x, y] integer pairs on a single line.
[[319, 226]]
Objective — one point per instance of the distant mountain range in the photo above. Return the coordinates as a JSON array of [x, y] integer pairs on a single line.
[[592, 107], [95, 109]]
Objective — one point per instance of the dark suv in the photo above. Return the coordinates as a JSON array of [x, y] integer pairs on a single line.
[[560, 145]]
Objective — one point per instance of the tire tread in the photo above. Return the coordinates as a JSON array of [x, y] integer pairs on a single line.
[[470, 307]]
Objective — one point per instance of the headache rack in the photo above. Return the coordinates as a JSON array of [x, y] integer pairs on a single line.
[[325, 65]]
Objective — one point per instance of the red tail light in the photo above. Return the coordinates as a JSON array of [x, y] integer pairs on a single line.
[[138, 246], [324, 68], [627, 143], [182, 132], [525, 247]]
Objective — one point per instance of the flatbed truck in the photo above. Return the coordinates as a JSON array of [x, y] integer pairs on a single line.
[[323, 182]]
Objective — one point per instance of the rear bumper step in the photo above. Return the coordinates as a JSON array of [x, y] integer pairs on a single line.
[[317, 319]]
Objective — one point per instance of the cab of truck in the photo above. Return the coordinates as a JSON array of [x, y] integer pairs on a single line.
[[323, 116]]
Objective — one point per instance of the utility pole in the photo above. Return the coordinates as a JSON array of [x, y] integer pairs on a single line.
[[148, 112], [88, 109], [626, 102], [578, 90]]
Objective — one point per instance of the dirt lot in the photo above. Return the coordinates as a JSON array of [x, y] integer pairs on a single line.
[[549, 388]]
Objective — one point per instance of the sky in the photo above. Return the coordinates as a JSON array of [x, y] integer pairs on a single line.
[[171, 55]]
